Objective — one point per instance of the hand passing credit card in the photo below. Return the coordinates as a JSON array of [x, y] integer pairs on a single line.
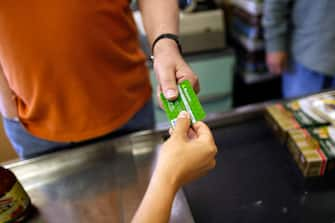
[[187, 101]]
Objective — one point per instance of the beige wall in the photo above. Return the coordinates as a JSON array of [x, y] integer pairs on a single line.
[[6, 151]]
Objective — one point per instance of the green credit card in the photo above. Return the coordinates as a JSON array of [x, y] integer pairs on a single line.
[[187, 101]]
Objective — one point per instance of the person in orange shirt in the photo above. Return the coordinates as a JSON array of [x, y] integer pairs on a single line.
[[72, 71]]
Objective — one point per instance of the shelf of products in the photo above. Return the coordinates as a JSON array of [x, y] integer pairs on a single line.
[[247, 35]]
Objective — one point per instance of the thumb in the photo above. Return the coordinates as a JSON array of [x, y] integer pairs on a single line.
[[183, 124], [167, 81], [202, 131]]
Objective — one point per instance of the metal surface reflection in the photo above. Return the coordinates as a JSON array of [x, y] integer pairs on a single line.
[[101, 182]]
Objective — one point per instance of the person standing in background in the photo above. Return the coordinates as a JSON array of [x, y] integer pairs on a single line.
[[72, 71], [300, 44]]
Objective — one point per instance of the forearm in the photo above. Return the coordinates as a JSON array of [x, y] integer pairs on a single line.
[[157, 202], [159, 16], [276, 24], [7, 102]]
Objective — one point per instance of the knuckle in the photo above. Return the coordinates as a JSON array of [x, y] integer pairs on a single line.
[[167, 80], [213, 164], [182, 124], [196, 78], [209, 139], [160, 70], [213, 150]]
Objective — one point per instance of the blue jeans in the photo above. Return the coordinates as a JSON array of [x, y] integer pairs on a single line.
[[300, 80], [28, 146]]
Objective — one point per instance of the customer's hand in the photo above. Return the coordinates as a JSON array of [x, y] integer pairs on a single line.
[[170, 69], [277, 62], [183, 159]]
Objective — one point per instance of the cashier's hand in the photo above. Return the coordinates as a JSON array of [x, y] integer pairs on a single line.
[[170, 69], [277, 62], [183, 159]]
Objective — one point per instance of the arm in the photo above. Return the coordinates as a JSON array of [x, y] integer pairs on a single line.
[[7, 102], [181, 160], [162, 16], [159, 16], [157, 202], [276, 30]]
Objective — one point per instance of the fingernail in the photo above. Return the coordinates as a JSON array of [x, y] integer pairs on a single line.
[[170, 93], [183, 114]]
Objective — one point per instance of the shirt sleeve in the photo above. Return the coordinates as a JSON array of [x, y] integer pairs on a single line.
[[276, 20]]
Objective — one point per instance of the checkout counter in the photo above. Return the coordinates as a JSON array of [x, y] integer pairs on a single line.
[[255, 180]]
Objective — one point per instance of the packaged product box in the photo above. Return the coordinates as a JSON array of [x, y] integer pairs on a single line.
[[281, 120], [306, 152], [304, 112], [309, 112], [325, 136], [324, 106]]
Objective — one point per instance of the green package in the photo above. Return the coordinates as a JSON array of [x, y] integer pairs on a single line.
[[187, 101]]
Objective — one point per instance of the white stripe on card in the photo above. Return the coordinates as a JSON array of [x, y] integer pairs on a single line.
[[187, 106]]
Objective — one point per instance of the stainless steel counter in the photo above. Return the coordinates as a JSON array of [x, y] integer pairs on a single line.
[[255, 179], [104, 181], [101, 182]]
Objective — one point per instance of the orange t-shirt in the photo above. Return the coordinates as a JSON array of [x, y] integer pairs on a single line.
[[75, 66]]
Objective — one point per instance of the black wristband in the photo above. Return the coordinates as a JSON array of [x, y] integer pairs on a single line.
[[166, 36]]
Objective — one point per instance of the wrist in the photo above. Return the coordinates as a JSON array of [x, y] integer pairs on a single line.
[[165, 45], [166, 179], [166, 42]]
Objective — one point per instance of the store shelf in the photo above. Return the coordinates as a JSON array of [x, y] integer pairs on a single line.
[[254, 7], [251, 45]]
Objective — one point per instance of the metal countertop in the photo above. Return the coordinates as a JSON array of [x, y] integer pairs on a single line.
[[101, 182], [255, 179]]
